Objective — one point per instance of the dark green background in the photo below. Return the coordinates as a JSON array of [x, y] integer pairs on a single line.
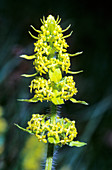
[[92, 34]]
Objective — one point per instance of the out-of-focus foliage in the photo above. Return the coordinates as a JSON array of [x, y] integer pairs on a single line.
[[92, 26], [3, 128], [32, 154]]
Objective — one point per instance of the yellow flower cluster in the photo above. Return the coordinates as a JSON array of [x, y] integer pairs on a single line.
[[60, 131], [51, 47], [47, 90], [68, 89], [43, 63], [42, 89]]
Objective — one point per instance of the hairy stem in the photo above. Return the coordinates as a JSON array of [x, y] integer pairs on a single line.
[[50, 149], [53, 110]]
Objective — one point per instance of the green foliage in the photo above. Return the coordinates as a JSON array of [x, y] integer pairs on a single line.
[[57, 100], [55, 75]]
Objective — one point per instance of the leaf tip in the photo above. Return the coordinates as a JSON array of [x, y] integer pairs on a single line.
[[85, 103], [22, 56]]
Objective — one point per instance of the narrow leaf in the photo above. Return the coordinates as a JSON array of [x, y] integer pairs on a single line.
[[29, 75], [77, 143], [23, 128], [76, 72], [35, 29], [28, 57], [33, 35], [34, 100], [66, 28], [66, 36], [78, 53], [78, 101]]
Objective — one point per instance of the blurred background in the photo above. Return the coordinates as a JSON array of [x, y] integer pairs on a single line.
[[92, 33]]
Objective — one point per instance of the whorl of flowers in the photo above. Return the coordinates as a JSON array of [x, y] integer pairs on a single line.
[[60, 131], [48, 90]]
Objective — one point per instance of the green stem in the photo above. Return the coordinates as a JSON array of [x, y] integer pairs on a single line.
[[49, 156], [53, 110], [50, 149]]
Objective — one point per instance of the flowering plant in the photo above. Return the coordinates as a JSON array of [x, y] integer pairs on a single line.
[[51, 60]]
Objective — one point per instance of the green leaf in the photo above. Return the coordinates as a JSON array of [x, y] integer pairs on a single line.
[[78, 101], [55, 75], [77, 143], [28, 57], [29, 75], [76, 72], [57, 100], [56, 93], [34, 100], [26, 130], [78, 53]]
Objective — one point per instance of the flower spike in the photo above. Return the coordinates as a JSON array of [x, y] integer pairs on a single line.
[[52, 60]]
